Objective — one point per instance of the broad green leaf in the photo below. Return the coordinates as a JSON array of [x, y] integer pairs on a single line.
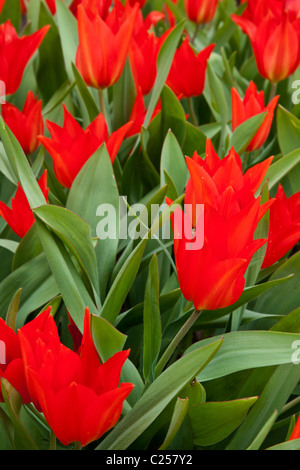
[[289, 445], [288, 128], [74, 293], [152, 322], [75, 234], [157, 397], [281, 168], [93, 187], [172, 115], [90, 104], [108, 340], [274, 396], [12, 311], [214, 421], [242, 350], [261, 436], [67, 26], [173, 162]]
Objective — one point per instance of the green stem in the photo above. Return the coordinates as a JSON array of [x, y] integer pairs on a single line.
[[176, 341], [52, 440], [77, 446], [246, 159], [273, 91], [290, 405], [195, 33], [102, 103], [192, 110]]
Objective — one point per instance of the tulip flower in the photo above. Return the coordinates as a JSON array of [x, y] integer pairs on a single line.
[[15, 53], [275, 39], [284, 226], [296, 431], [80, 397], [140, 2], [211, 273], [102, 52], [27, 124], [201, 11], [253, 104], [70, 146], [187, 73], [20, 217], [11, 363], [143, 53]]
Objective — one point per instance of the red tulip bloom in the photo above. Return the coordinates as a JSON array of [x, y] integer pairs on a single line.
[[211, 273], [138, 113], [15, 53], [201, 11], [284, 226], [140, 2], [27, 124], [253, 104], [80, 397], [70, 146], [296, 431], [275, 38], [187, 74], [11, 362], [102, 52], [143, 53], [20, 217]]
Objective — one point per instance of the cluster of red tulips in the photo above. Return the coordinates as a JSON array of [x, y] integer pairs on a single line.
[[185, 102]]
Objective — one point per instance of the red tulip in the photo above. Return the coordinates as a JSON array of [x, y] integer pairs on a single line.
[[187, 74], [143, 53], [20, 217], [97, 7], [274, 33], [70, 146], [141, 3], [102, 52], [201, 11], [284, 226], [27, 124], [253, 104], [11, 364], [211, 274], [296, 431], [80, 397], [15, 53]]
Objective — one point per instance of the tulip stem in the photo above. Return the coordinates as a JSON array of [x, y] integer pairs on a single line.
[[176, 341], [52, 440], [193, 114], [195, 33], [102, 103], [77, 446], [273, 91]]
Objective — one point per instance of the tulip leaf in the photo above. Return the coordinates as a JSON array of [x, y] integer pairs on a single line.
[[172, 115], [152, 322], [274, 396], [100, 189], [214, 421], [243, 350], [245, 132], [74, 293], [261, 436], [289, 445], [21, 166], [281, 168], [67, 26], [195, 140], [11, 11], [108, 340], [164, 62], [12, 311], [172, 160], [86, 95], [75, 234], [180, 411], [157, 396]]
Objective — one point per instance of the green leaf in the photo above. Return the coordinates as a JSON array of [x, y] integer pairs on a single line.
[[95, 185], [90, 104], [281, 168], [274, 396], [108, 340], [213, 422], [173, 162], [152, 322], [12, 311], [67, 26], [288, 128], [172, 115], [179, 413], [75, 234], [157, 397], [289, 445], [242, 350], [243, 134], [263, 433], [68, 280], [164, 62]]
